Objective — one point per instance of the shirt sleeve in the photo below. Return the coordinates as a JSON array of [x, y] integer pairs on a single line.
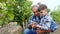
[[45, 26], [30, 21], [53, 26], [47, 23]]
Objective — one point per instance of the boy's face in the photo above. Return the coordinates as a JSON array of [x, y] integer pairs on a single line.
[[43, 12]]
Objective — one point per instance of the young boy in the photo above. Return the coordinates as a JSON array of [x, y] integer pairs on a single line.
[[46, 20]]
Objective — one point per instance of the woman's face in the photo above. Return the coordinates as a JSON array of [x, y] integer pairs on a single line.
[[35, 11]]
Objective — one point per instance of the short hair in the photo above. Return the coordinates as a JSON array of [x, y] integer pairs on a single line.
[[42, 7], [34, 6]]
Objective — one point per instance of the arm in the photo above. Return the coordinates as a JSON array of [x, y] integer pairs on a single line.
[[50, 24], [31, 22], [45, 23], [53, 26], [45, 26]]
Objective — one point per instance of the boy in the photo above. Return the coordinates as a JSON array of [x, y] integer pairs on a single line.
[[46, 20]]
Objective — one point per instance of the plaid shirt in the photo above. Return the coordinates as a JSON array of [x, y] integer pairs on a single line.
[[44, 22]]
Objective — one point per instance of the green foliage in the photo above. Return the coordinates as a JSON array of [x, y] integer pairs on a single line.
[[56, 14], [14, 10], [6, 14], [22, 12]]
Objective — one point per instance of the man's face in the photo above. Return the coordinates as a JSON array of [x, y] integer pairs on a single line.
[[43, 12], [35, 11]]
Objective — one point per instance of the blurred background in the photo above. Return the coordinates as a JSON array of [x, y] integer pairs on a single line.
[[20, 10]]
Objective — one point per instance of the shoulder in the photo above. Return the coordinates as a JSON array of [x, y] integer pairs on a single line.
[[32, 17], [48, 17]]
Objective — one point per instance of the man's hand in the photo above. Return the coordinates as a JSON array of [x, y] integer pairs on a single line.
[[38, 26], [33, 24]]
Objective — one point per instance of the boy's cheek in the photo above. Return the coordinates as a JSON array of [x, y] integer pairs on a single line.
[[44, 13]]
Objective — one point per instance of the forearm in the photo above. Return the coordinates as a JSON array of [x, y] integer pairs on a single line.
[[44, 27], [32, 24]]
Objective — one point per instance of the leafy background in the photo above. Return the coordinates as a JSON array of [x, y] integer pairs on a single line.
[[19, 11]]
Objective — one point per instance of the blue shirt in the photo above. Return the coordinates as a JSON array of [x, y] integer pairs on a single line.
[[44, 22]]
